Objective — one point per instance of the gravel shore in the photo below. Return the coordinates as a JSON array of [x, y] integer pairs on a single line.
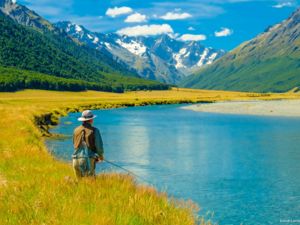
[[289, 108]]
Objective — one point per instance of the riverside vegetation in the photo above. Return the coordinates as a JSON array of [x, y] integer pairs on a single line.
[[36, 188]]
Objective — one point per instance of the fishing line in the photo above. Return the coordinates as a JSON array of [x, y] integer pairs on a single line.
[[128, 171]]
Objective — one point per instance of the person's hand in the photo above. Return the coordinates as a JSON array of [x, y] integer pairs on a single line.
[[100, 158]]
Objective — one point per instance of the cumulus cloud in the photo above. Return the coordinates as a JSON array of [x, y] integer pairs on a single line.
[[223, 32], [191, 29], [176, 16], [118, 11], [282, 5], [193, 37], [136, 18], [146, 30]]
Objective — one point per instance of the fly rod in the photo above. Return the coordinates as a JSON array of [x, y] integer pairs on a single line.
[[128, 171]]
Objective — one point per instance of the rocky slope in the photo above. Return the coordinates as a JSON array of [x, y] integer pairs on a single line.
[[24, 16]]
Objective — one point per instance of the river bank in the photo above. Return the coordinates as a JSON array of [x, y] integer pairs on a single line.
[[36, 188], [287, 108]]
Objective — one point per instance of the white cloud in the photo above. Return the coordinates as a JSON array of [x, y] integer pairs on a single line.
[[223, 32], [282, 5], [136, 18], [146, 30], [191, 29], [193, 37], [117, 11], [176, 16]]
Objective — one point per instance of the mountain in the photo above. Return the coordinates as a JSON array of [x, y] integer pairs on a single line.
[[32, 47], [268, 63], [158, 58], [24, 16]]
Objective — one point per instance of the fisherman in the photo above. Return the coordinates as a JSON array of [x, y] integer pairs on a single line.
[[88, 146]]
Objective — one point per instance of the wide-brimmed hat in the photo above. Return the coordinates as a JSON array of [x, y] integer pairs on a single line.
[[86, 116]]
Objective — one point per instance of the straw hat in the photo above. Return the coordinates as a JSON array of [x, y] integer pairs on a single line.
[[86, 116]]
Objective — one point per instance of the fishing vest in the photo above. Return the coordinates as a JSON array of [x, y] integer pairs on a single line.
[[84, 142]]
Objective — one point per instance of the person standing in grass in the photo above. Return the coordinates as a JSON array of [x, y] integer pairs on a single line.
[[88, 146]]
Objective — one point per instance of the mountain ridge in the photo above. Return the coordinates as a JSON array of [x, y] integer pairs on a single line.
[[266, 63], [160, 58], [24, 16]]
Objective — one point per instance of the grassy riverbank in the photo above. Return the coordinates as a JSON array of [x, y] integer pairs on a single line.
[[35, 188]]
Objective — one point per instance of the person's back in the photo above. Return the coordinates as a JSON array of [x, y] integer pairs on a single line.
[[88, 146]]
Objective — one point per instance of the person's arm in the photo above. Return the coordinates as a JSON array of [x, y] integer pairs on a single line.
[[99, 144]]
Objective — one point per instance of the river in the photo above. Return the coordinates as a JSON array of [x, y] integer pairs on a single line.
[[239, 169]]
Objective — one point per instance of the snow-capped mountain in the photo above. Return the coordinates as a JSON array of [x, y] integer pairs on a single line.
[[159, 58]]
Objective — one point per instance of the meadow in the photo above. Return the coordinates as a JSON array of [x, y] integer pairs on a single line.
[[36, 188]]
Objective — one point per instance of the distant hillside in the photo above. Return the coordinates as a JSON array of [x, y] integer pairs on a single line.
[[54, 53], [268, 63]]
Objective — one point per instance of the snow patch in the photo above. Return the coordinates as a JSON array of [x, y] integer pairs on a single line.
[[187, 55], [133, 47], [182, 51], [108, 45], [78, 28], [212, 58], [203, 58], [179, 63], [96, 40]]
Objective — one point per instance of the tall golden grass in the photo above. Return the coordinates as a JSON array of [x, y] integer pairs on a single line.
[[35, 188]]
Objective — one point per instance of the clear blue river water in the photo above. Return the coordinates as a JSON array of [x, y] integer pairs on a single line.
[[239, 169]]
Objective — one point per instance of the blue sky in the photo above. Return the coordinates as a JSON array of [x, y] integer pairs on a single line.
[[217, 23]]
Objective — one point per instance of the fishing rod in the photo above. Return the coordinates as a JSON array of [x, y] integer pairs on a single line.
[[128, 171]]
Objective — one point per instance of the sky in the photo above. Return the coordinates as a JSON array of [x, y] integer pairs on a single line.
[[221, 24]]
